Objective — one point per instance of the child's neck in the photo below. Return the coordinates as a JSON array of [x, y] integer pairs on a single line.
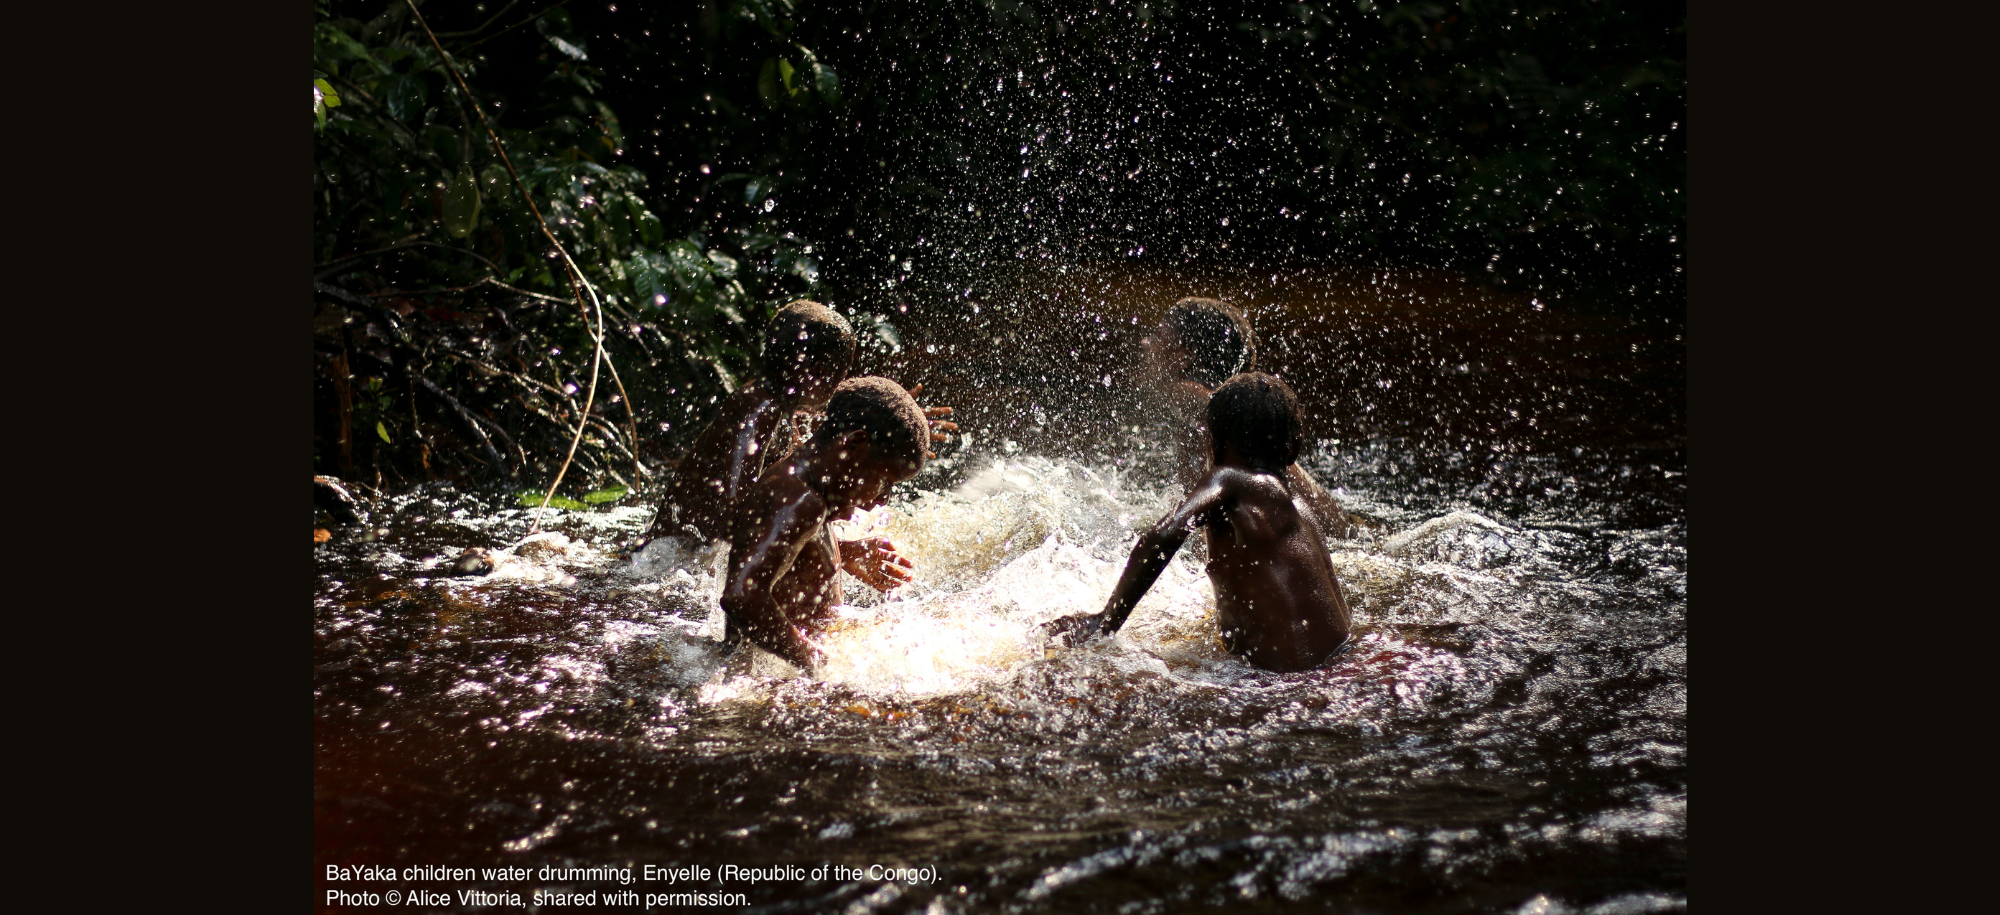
[[1235, 460], [816, 469]]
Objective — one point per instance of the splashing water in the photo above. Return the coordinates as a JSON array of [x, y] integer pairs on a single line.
[[1510, 717]]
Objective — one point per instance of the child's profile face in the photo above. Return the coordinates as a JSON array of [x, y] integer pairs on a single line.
[[862, 481]]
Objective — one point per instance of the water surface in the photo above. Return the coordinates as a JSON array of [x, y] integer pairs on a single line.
[[1508, 732]]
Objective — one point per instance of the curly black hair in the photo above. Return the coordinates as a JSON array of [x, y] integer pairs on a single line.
[[1259, 415], [895, 425], [808, 336], [1218, 335]]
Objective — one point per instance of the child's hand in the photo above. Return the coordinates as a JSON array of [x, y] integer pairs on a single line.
[[938, 426], [1071, 631], [876, 562]]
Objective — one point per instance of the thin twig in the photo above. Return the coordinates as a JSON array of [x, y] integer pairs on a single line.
[[631, 423], [403, 242], [483, 281], [502, 31], [344, 264], [483, 25], [577, 284]]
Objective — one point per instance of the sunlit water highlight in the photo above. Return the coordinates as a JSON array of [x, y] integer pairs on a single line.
[[1507, 731]]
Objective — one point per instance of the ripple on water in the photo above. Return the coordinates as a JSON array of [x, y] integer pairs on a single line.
[[1514, 702]]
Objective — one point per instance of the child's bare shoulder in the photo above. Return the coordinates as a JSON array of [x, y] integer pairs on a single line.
[[1259, 499], [1238, 483], [748, 399]]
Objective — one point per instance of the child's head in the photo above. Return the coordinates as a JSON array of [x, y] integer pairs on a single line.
[[874, 436], [1205, 341], [1258, 416], [807, 350]]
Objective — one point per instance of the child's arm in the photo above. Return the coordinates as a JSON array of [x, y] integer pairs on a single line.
[[748, 453], [749, 598], [1156, 547]]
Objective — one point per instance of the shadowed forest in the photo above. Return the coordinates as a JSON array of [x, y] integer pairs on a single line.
[[916, 164]]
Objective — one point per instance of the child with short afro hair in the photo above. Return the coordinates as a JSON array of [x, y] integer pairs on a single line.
[[1276, 599], [1200, 343], [808, 350], [781, 586]]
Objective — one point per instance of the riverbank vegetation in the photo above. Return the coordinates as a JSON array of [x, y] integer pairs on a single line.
[[701, 164]]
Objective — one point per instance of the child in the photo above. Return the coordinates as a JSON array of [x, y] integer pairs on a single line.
[[1198, 344], [782, 560], [1276, 599], [808, 349]]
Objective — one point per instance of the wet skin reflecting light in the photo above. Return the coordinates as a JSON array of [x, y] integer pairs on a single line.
[[1508, 731]]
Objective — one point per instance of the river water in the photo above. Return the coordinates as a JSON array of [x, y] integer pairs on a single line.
[[1508, 732]]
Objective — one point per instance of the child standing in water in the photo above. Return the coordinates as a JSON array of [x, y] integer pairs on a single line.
[[808, 349], [1196, 346], [1276, 599], [782, 586]]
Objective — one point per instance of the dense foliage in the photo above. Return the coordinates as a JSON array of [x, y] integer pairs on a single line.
[[442, 316], [705, 162]]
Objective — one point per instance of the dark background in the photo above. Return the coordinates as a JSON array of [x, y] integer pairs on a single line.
[[925, 156], [1541, 143]]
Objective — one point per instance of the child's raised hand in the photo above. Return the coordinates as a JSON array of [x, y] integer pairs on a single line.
[[876, 562], [1071, 631], [938, 427]]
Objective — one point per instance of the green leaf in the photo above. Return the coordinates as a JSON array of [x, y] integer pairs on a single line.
[[496, 184], [647, 283], [407, 95], [785, 71], [326, 89], [461, 205], [690, 270], [339, 45], [607, 495], [650, 229], [532, 499], [383, 431], [767, 83], [827, 82]]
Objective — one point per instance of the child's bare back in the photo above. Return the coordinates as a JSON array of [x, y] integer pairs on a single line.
[[1276, 600], [1277, 603]]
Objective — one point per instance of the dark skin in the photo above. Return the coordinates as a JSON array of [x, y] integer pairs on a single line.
[[743, 440], [1167, 365], [783, 563], [1276, 599]]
